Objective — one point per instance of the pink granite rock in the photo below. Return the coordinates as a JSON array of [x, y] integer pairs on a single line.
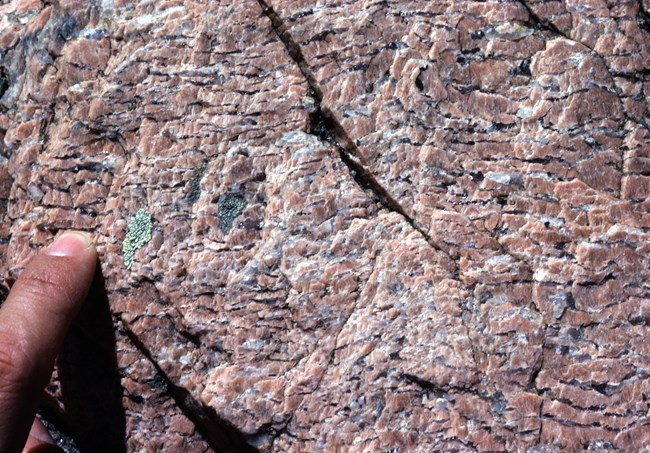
[[377, 226]]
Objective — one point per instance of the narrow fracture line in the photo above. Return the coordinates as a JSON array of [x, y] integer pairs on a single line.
[[221, 435]]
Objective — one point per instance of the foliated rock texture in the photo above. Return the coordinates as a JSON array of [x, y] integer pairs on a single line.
[[378, 226]]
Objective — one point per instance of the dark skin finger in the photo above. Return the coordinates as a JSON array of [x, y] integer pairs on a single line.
[[33, 322]]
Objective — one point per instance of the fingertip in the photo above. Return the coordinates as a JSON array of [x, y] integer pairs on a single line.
[[70, 243], [34, 319], [38, 433], [57, 280], [39, 440]]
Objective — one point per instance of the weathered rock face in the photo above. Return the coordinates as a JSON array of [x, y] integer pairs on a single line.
[[377, 226]]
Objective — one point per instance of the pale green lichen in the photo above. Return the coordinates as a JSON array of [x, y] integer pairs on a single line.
[[138, 234]]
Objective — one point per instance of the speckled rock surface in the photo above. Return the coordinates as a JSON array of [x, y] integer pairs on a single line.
[[377, 226]]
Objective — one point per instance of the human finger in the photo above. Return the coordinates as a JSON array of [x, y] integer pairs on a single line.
[[33, 322]]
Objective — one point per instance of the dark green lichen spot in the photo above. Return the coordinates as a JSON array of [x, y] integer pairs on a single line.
[[138, 234], [195, 184], [230, 206]]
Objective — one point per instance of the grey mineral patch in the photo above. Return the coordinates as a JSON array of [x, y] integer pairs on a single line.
[[508, 30], [138, 234], [35, 192], [230, 207]]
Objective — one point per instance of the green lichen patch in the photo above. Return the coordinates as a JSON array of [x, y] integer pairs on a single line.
[[195, 183], [138, 234], [230, 206]]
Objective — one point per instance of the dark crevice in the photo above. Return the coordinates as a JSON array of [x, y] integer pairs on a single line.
[[429, 387], [446, 391], [537, 368], [219, 433], [541, 24], [4, 82], [328, 129], [293, 48], [4, 290], [644, 18]]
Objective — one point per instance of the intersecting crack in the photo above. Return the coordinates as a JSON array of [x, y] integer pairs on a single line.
[[324, 126], [330, 131]]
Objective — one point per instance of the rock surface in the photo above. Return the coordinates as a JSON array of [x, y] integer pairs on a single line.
[[377, 226]]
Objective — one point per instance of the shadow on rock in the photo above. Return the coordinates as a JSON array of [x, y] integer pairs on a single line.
[[91, 390]]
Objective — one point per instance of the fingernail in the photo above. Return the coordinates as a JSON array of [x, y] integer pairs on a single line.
[[70, 243], [40, 440]]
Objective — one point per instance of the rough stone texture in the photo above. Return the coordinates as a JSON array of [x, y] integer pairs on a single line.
[[378, 226]]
